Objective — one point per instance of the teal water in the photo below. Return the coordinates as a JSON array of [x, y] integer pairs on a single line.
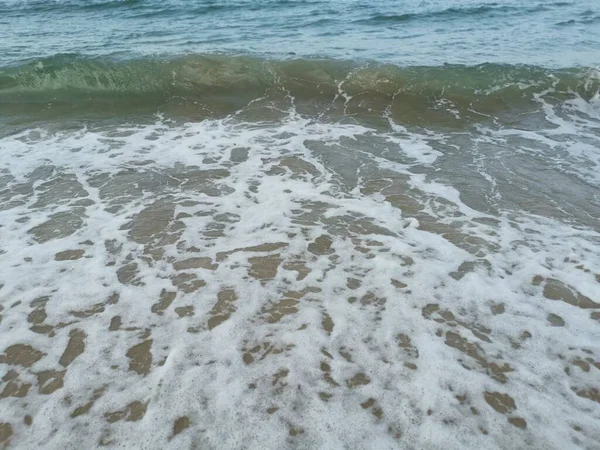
[[294, 225], [547, 33]]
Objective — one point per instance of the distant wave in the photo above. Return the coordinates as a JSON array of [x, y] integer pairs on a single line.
[[584, 21], [44, 5], [457, 13]]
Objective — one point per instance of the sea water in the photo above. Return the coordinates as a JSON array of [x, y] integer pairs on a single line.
[[285, 224]]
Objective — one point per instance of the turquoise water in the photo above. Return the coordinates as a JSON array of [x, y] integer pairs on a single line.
[[548, 33], [300, 224]]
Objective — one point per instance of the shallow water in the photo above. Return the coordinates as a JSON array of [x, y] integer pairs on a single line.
[[258, 250]]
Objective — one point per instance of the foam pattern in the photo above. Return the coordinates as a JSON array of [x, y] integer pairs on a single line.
[[292, 284]]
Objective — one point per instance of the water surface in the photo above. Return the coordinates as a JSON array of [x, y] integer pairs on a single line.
[[284, 224]]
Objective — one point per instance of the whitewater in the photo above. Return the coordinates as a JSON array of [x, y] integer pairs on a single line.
[[299, 225]]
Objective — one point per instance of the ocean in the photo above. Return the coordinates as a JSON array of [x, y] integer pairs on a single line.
[[284, 224]]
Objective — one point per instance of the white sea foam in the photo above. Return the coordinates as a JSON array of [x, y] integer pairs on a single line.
[[569, 140], [399, 329]]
